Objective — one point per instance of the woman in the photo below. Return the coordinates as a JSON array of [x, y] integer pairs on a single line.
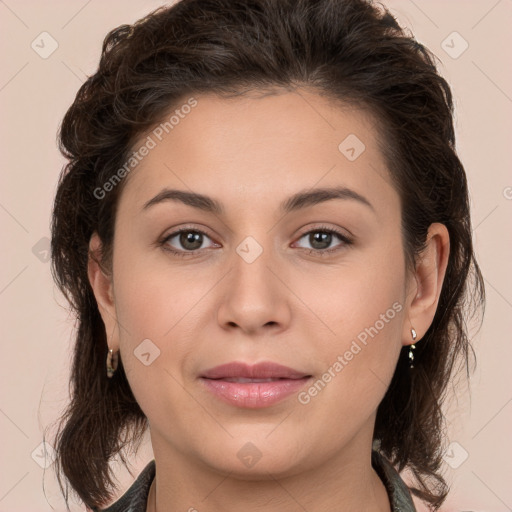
[[264, 231]]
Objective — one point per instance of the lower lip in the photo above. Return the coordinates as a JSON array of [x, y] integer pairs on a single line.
[[254, 395]]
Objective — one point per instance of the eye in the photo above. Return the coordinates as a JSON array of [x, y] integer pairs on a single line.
[[321, 238], [190, 240]]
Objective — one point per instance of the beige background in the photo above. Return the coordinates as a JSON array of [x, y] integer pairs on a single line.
[[36, 328]]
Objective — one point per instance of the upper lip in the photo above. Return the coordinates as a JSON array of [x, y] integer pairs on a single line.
[[264, 370]]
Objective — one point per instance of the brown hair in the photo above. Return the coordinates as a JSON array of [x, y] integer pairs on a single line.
[[349, 50]]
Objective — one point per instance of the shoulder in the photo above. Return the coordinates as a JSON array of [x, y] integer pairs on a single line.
[[135, 498], [399, 494]]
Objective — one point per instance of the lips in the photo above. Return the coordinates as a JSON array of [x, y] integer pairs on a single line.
[[253, 386], [264, 372]]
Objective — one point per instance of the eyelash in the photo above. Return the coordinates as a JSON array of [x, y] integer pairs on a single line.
[[320, 252]]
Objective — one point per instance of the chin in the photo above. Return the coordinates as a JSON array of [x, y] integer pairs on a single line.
[[247, 458]]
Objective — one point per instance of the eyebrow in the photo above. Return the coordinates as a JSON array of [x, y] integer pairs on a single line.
[[300, 200]]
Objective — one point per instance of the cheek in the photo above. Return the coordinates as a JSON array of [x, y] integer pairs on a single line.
[[163, 304], [358, 361], [361, 308], [351, 297], [150, 295], [153, 308], [147, 307]]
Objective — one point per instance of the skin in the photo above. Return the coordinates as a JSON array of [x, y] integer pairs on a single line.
[[297, 309]]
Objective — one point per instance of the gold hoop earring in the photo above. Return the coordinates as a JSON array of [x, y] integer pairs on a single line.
[[112, 362]]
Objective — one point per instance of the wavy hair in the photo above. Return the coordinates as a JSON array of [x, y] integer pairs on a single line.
[[348, 50]]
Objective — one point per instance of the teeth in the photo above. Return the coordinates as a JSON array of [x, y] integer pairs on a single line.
[[243, 379]]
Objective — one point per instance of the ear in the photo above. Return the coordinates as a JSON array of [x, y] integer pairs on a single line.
[[426, 283], [102, 286]]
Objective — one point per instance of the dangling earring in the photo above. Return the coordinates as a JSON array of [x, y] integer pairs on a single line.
[[412, 347], [112, 361]]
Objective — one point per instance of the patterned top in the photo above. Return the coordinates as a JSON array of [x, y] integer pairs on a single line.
[[135, 498]]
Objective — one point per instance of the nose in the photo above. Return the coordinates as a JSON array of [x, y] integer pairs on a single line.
[[254, 296]]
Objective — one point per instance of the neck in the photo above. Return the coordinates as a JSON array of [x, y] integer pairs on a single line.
[[350, 486]]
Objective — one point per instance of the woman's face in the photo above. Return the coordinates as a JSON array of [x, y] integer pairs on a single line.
[[250, 290]]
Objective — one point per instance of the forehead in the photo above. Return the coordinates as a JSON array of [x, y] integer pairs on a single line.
[[251, 147]]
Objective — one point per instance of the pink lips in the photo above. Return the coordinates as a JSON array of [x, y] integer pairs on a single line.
[[253, 386]]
